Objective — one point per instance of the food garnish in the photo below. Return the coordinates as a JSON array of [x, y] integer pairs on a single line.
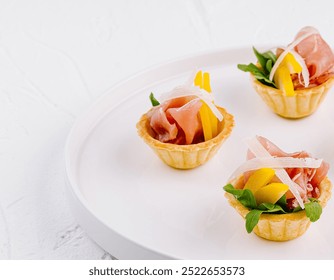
[[261, 72], [153, 100]]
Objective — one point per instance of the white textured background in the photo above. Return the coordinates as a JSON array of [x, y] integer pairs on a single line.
[[57, 57]]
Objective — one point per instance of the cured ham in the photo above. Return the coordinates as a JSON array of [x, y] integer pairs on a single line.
[[176, 121], [307, 179], [187, 120], [320, 174], [318, 56], [165, 131]]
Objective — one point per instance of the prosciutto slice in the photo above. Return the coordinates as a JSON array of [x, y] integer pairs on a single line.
[[318, 57], [186, 118], [307, 179], [176, 121], [165, 131]]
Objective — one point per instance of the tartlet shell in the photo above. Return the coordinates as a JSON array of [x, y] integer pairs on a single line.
[[282, 227], [304, 103], [187, 156]]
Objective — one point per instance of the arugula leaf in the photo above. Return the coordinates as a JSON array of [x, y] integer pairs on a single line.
[[282, 201], [153, 100], [261, 72], [270, 207], [251, 67], [277, 208], [261, 59], [264, 80], [252, 219], [313, 210], [297, 209], [270, 56], [269, 65], [266, 206], [230, 189], [245, 197], [258, 73]]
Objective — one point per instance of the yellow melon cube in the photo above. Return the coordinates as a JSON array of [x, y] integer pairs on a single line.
[[259, 179], [271, 193]]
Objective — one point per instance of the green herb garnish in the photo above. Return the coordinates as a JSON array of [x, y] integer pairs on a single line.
[[153, 100], [252, 218], [245, 197], [313, 209], [261, 72]]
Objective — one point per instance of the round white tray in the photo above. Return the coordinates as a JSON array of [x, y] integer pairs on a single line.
[[136, 207]]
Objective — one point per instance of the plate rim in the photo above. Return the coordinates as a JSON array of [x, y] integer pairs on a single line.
[[115, 242]]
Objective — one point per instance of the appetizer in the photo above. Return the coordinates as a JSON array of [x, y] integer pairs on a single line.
[[277, 193], [294, 80], [186, 128]]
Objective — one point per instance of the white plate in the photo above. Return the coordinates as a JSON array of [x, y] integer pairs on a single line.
[[136, 207]]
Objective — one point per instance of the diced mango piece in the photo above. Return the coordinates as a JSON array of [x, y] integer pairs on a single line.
[[213, 118], [290, 61], [198, 81], [271, 193], [206, 123], [208, 119], [259, 179], [206, 82], [214, 124], [282, 78]]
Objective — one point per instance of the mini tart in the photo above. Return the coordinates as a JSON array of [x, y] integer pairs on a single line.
[[304, 103], [187, 156], [281, 227]]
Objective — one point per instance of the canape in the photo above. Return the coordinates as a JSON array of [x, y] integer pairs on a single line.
[[277, 193], [294, 80], [187, 128]]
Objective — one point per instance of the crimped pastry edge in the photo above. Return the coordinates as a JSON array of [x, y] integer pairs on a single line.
[[304, 103], [292, 225]]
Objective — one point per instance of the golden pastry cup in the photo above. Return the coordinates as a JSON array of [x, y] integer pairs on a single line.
[[281, 227], [304, 103], [187, 156]]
